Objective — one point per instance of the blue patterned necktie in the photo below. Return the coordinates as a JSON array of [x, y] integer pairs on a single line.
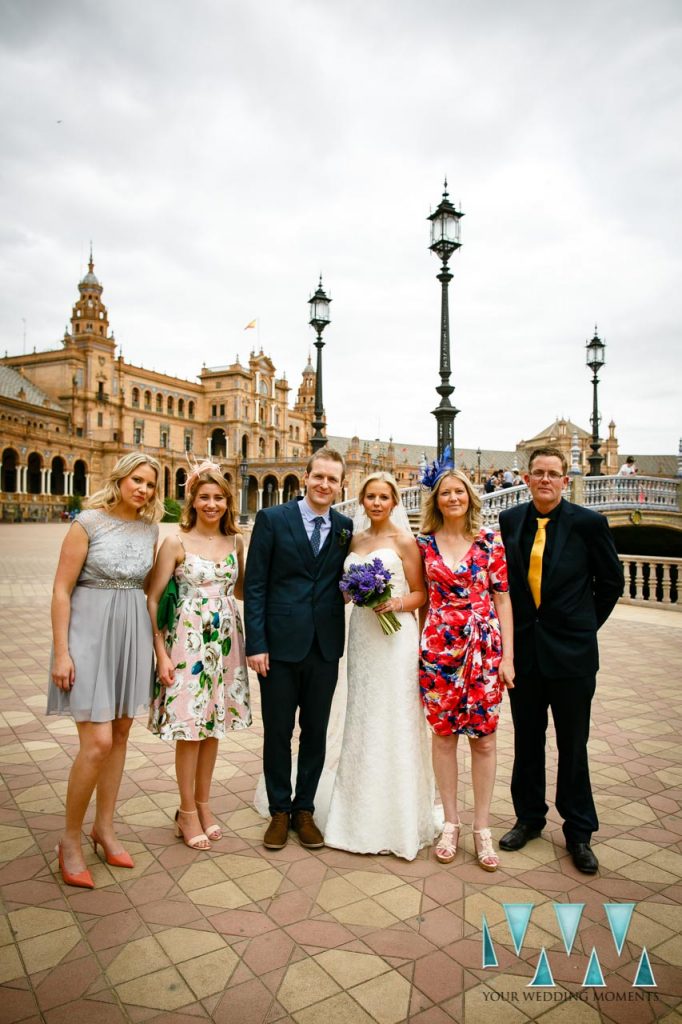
[[316, 535]]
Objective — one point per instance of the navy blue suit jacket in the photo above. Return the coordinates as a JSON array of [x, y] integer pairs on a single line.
[[291, 596], [580, 587]]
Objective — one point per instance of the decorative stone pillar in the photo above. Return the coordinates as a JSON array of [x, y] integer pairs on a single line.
[[260, 498], [575, 469], [280, 495]]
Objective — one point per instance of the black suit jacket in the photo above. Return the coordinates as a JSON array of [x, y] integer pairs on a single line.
[[291, 596], [580, 586]]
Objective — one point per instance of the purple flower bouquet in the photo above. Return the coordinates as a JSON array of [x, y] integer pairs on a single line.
[[367, 585]]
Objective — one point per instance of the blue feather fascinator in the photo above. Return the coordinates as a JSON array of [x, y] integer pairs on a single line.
[[432, 473]]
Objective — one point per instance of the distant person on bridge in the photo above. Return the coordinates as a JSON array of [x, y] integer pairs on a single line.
[[629, 467], [564, 580]]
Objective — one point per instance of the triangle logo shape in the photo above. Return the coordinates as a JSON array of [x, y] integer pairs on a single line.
[[568, 915], [518, 916], [619, 915], [593, 975], [645, 976], [543, 973], [489, 955]]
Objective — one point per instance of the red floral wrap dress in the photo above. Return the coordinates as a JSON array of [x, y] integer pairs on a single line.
[[461, 645]]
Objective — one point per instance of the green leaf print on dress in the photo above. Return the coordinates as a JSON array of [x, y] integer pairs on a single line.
[[209, 696]]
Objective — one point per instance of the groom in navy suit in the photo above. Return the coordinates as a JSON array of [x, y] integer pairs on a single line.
[[295, 624]]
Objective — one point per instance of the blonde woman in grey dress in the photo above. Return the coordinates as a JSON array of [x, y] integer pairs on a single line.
[[101, 664]]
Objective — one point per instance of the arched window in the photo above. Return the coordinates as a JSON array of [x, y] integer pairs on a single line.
[[218, 443], [245, 446], [135, 398], [57, 476], [169, 405], [8, 472], [180, 480], [79, 478], [159, 402], [148, 400], [181, 406], [261, 447], [34, 465], [190, 410]]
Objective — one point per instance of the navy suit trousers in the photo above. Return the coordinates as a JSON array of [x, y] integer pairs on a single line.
[[308, 684]]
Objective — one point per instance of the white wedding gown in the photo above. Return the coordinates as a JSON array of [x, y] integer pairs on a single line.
[[383, 795]]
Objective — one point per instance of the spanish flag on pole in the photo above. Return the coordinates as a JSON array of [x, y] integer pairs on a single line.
[[252, 324]]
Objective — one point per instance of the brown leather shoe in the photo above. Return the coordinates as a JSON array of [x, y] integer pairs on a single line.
[[309, 834], [277, 832]]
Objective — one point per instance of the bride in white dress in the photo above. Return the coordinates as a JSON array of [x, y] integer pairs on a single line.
[[383, 795]]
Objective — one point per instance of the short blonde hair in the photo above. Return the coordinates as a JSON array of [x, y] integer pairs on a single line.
[[386, 478], [110, 495], [432, 517], [188, 516]]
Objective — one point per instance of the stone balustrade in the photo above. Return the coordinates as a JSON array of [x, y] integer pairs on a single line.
[[612, 492], [652, 580]]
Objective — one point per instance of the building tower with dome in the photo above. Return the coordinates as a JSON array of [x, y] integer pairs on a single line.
[[68, 413]]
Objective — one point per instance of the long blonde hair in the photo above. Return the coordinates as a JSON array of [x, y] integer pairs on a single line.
[[110, 495], [432, 517], [188, 517]]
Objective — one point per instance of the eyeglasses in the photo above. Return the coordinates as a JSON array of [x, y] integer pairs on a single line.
[[551, 474]]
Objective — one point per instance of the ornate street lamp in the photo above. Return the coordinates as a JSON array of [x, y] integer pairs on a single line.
[[595, 359], [319, 318], [445, 239], [478, 465], [244, 472]]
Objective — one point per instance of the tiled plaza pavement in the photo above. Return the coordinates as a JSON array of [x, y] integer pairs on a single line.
[[245, 936]]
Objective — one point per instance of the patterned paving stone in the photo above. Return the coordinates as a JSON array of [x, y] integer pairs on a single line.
[[240, 935]]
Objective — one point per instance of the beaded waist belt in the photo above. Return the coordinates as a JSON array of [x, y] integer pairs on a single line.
[[111, 584]]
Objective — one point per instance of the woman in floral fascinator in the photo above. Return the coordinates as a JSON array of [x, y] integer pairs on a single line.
[[201, 690]]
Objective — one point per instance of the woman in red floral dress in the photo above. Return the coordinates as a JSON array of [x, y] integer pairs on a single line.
[[466, 656]]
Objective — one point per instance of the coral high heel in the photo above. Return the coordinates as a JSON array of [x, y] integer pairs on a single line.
[[81, 879], [117, 860]]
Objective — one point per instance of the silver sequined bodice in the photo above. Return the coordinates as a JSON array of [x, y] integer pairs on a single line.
[[120, 553]]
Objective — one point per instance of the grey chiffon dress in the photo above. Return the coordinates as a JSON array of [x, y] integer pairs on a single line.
[[110, 633]]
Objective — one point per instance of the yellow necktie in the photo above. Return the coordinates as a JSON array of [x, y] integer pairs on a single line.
[[535, 564]]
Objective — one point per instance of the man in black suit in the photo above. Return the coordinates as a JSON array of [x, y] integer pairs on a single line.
[[294, 617], [564, 580]]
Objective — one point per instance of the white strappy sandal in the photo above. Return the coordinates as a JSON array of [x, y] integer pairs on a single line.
[[486, 855], [446, 847]]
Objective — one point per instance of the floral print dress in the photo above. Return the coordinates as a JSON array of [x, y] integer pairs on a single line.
[[461, 645], [210, 693]]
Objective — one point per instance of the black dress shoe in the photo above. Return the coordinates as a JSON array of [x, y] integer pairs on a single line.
[[517, 837], [583, 858]]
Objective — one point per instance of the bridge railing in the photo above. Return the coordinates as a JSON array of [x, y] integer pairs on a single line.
[[651, 580], [604, 493], [651, 492]]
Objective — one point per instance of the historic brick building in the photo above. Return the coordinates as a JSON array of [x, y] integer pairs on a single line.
[[67, 414]]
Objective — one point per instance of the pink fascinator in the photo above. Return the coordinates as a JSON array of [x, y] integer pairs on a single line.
[[196, 468]]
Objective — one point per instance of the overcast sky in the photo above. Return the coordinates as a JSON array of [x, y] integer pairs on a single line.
[[221, 154]]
